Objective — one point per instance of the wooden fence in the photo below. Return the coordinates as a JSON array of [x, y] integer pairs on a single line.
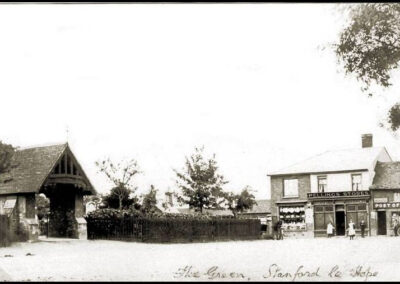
[[172, 230], [5, 234]]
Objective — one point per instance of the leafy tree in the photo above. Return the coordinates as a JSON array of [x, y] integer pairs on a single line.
[[6, 153], [121, 175], [96, 199], [200, 183], [42, 205], [237, 203], [149, 203], [369, 47], [120, 198]]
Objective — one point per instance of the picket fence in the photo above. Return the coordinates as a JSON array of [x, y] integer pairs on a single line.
[[179, 230]]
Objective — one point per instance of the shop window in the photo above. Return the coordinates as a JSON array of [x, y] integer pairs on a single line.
[[291, 188], [319, 208], [362, 207], [319, 222], [322, 216], [356, 182], [395, 219], [322, 183], [356, 213], [351, 208], [292, 217]]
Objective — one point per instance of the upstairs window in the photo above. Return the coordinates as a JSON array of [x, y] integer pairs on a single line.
[[290, 187], [322, 183], [356, 182]]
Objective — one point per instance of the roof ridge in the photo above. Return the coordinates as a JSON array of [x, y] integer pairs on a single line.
[[42, 146], [366, 152], [300, 162]]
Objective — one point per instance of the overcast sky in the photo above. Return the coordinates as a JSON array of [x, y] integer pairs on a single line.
[[152, 81]]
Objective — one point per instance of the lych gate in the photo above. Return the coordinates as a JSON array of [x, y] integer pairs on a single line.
[[55, 172]]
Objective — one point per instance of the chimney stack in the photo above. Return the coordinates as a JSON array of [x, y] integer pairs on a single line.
[[366, 140]]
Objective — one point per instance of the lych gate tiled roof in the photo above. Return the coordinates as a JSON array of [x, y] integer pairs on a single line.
[[387, 176], [263, 206], [30, 168], [334, 161]]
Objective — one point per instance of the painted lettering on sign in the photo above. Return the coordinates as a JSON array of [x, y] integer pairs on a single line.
[[381, 200], [338, 194], [387, 205]]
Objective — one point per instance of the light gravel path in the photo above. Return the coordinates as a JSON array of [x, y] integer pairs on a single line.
[[76, 260]]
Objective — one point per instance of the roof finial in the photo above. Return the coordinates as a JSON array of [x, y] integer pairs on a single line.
[[66, 133]]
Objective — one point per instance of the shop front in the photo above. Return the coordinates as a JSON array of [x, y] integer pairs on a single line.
[[386, 217], [339, 208], [294, 218]]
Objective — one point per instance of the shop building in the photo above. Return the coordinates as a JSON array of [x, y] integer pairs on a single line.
[[330, 187], [385, 199]]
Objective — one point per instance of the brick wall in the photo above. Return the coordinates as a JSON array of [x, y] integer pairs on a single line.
[[277, 190]]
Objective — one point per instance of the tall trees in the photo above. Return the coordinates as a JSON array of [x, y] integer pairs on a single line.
[[200, 182], [369, 47], [149, 203], [121, 174], [237, 203], [6, 153]]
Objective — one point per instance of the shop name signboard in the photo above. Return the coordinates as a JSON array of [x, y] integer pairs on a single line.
[[362, 193], [381, 200], [387, 205]]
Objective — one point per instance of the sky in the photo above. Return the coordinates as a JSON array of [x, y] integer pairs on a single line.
[[253, 83]]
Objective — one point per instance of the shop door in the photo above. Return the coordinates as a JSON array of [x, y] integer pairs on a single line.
[[381, 222], [340, 223]]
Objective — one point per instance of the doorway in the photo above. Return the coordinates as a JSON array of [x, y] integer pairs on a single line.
[[340, 223], [382, 223]]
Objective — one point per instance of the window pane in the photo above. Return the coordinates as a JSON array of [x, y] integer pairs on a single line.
[[291, 187], [356, 182], [351, 208], [362, 216], [362, 207], [319, 221], [328, 218], [352, 216]]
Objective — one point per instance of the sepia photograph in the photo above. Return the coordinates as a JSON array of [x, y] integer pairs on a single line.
[[199, 141]]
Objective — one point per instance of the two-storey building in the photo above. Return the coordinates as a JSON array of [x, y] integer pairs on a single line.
[[330, 187], [385, 199]]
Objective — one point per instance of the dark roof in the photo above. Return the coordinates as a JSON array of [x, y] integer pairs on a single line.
[[387, 176], [30, 168], [263, 206]]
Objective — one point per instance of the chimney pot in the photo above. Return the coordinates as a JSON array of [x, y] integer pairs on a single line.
[[366, 140]]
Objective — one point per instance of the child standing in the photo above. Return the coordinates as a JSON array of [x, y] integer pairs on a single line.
[[352, 230]]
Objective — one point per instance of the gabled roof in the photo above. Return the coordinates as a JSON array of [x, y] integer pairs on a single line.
[[263, 206], [387, 176], [30, 168], [336, 161]]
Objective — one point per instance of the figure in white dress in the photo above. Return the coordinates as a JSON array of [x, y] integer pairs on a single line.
[[352, 229], [329, 229]]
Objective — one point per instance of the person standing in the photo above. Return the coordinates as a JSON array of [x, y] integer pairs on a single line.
[[395, 227], [279, 227], [329, 229], [352, 230], [362, 227]]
